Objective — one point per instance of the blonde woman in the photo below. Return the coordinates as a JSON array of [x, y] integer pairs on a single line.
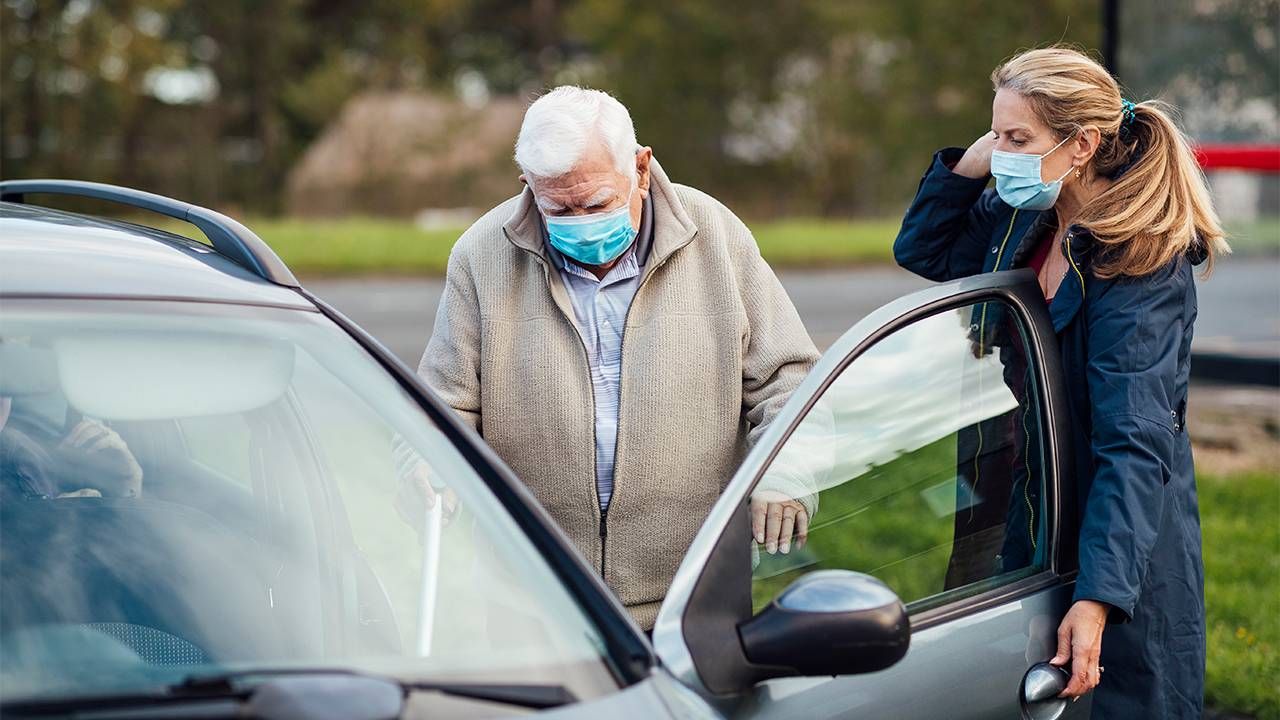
[[1102, 197]]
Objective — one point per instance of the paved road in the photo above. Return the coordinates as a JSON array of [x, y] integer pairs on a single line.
[[1239, 305]]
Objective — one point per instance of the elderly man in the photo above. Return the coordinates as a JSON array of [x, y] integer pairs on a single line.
[[618, 340]]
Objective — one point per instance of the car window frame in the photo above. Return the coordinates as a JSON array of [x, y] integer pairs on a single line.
[[688, 618]]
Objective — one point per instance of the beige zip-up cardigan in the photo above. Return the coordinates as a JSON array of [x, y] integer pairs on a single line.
[[711, 350]]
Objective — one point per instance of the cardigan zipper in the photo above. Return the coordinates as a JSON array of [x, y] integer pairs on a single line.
[[601, 508], [622, 358], [604, 534], [622, 348]]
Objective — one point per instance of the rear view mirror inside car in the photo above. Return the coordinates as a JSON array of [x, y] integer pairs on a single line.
[[147, 375]]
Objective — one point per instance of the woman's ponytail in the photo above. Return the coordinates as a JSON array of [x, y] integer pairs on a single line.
[[1158, 207]]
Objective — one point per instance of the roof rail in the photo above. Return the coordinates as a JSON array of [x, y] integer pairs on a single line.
[[228, 237]]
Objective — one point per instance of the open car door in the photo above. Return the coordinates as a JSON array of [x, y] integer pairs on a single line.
[[928, 444]]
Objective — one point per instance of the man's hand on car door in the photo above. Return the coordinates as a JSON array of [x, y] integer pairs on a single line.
[[776, 519]]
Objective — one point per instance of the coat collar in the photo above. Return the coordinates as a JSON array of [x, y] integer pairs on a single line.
[[672, 227], [1079, 247], [1071, 293]]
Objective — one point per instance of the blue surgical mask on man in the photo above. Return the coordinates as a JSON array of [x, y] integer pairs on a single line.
[[593, 239], [1018, 179]]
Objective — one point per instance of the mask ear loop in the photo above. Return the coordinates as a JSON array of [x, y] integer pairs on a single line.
[[1055, 147], [1060, 144]]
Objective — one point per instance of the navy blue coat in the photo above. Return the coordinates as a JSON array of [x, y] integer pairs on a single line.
[[1126, 348]]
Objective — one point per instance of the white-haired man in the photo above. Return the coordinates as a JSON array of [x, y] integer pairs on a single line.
[[618, 340]]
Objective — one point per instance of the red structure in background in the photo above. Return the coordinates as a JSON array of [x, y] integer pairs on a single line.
[[1221, 156]]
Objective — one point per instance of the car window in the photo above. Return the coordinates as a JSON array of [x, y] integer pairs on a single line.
[[921, 464], [220, 443], [230, 499]]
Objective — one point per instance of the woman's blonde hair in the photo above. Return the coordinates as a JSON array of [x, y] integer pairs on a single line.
[[1158, 206]]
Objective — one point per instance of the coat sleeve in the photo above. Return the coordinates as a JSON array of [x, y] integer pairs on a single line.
[[1135, 331], [947, 229], [450, 364], [777, 354]]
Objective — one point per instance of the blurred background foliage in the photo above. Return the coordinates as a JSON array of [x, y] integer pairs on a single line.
[[803, 107], [816, 108]]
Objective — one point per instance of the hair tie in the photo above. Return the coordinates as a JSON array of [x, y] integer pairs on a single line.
[[1127, 109]]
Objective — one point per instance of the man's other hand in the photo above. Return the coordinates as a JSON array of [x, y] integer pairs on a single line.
[[775, 519], [415, 495]]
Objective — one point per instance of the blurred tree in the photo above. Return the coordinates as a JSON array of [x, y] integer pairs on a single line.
[[216, 100], [689, 71], [808, 106], [1231, 93], [250, 47], [73, 85], [815, 106]]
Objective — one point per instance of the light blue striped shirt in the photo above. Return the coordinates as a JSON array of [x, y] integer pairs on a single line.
[[600, 306], [600, 309]]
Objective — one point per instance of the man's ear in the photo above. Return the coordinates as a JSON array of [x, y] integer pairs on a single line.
[[643, 156], [523, 179]]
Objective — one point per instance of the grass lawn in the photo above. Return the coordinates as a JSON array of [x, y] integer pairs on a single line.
[[383, 246], [386, 246], [1240, 517]]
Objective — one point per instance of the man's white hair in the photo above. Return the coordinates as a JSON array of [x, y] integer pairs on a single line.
[[559, 127]]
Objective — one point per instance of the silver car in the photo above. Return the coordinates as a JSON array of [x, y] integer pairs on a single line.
[[200, 512]]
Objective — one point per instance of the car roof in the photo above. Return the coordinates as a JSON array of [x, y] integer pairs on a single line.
[[47, 252]]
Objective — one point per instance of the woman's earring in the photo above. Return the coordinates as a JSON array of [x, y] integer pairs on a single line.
[[1077, 172]]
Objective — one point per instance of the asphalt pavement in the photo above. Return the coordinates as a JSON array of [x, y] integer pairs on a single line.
[[1239, 304]]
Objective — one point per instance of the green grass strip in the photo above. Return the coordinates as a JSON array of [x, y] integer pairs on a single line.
[[377, 246], [1240, 520]]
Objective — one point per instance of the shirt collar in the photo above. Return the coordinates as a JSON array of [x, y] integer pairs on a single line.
[[626, 267]]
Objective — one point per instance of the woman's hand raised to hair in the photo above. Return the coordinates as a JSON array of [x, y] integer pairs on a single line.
[[976, 162]]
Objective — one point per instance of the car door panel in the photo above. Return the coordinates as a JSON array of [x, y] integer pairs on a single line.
[[936, 678], [909, 451]]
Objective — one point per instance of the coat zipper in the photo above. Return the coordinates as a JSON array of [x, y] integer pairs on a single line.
[[622, 348], [595, 469], [622, 359], [604, 533]]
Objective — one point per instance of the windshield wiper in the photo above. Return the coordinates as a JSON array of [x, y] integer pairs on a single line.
[[283, 688], [537, 697]]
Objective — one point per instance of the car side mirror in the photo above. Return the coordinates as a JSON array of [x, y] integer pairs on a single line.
[[829, 622]]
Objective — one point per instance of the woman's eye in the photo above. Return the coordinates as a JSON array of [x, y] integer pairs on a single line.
[[1018, 143]]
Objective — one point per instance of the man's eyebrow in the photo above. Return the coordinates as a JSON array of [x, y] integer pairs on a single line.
[[601, 196], [548, 205]]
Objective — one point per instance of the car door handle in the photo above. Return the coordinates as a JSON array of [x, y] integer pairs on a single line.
[[1038, 695]]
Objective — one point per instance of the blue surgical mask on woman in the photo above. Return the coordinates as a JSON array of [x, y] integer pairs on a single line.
[[1018, 179], [593, 239]]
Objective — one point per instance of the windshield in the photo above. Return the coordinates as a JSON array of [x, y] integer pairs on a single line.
[[192, 488]]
